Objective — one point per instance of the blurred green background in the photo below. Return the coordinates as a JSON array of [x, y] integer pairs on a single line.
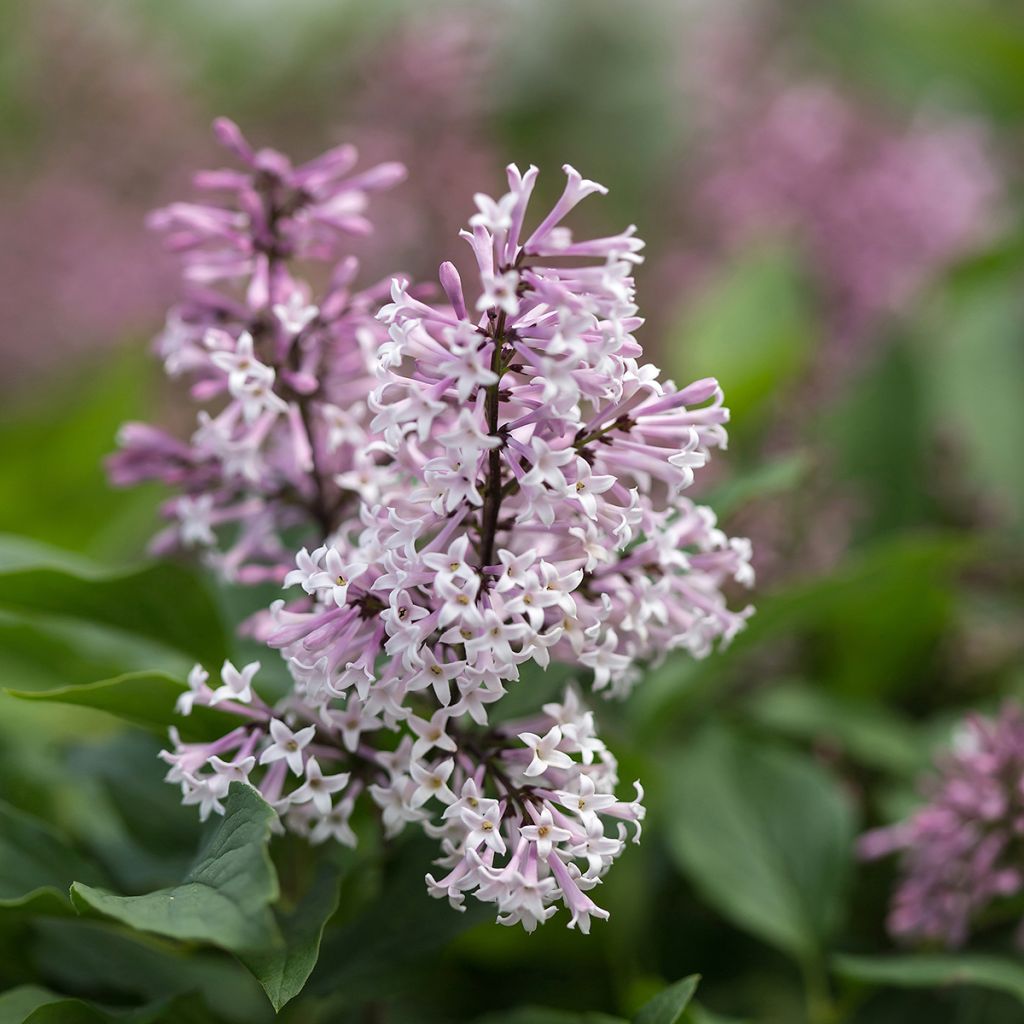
[[831, 195]]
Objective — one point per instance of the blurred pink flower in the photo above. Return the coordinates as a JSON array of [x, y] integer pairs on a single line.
[[422, 98], [879, 206], [880, 210], [110, 129], [961, 851]]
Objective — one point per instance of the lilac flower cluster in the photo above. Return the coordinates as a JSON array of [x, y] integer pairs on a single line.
[[914, 199], [287, 446], [523, 503], [961, 852]]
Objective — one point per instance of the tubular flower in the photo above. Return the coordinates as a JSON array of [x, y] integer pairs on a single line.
[[283, 375], [961, 851], [527, 505]]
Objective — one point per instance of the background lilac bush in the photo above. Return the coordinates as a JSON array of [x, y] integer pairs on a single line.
[[831, 205]]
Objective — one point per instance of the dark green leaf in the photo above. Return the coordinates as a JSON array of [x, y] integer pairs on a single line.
[[284, 970], [764, 834], [380, 948], [142, 698], [540, 1015], [36, 864], [668, 1005], [224, 900], [80, 955], [162, 602], [939, 969]]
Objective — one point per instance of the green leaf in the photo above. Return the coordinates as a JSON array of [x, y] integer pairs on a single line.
[[542, 1015], [751, 329], [935, 969], [162, 602], [142, 698], [29, 1004], [402, 929], [18, 1003], [697, 1014], [865, 731], [668, 1005], [36, 864], [975, 374], [764, 834], [224, 899], [283, 970], [82, 955], [53, 486], [766, 480]]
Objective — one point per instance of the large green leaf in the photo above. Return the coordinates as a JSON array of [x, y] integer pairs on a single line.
[[668, 1005], [386, 945], [142, 698], [863, 730], [37, 865], [224, 899], [929, 970], [283, 970], [765, 836], [30, 1004], [53, 486], [91, 956], [162, 602]]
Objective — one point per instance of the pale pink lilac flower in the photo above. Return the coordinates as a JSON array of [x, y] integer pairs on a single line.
[[528, 505], [961, 852], [283, 375], [111, 127], [880, 210], [881, 204]]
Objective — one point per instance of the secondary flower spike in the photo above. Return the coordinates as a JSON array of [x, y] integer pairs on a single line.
[[283, 376], [961, 851], [526, 504]]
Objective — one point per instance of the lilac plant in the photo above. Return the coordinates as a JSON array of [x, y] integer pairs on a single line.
[[960, 853], [521, 501], [283, 375]]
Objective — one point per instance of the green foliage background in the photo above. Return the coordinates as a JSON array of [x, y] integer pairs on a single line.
[[762, 763]]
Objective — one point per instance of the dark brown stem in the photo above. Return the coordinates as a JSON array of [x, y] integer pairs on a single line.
[[318, 506], [493, 493]]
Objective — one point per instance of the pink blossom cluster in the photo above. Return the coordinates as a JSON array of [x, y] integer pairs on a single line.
[[283, 374], [961, 852], [913, 200], [526, 820], [524, 502]]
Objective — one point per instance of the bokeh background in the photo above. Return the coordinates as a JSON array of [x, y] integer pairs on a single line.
[[831, 195]]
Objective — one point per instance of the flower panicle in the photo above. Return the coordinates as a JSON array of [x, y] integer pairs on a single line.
[[527, 505], [281, 374], [960, 852]]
